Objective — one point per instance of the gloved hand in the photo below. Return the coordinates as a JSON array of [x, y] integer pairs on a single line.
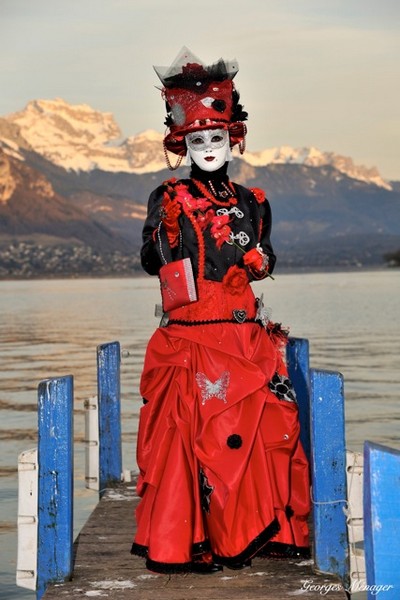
[[169, 212], [256, 259]]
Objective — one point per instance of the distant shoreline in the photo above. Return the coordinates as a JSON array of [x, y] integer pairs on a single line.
[[143, 275]]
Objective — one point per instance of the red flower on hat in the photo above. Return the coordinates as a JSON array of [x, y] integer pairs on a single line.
[[194, 70]]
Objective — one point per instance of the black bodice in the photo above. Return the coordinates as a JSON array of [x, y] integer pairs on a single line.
[[250, 222]]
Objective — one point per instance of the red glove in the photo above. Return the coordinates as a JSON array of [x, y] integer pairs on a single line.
[[256, 260], [170, 211]]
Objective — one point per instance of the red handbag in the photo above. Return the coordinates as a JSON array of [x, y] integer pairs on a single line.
[[177, 284]]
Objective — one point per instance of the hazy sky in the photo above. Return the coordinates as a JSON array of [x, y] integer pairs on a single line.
[[322, 73]]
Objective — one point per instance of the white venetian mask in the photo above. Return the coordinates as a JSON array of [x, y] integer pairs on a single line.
[[209, 148]]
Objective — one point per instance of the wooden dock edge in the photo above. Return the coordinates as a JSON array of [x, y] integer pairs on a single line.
[[104, 567]]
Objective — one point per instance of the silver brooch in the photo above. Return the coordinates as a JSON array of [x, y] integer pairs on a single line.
[[241, 237], [233, 210], [263, 314], [239, 315]]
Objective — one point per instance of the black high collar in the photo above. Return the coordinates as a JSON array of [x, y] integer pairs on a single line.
[[214, 176]]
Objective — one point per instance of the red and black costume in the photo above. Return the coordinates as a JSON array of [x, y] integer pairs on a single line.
[[222, 471]]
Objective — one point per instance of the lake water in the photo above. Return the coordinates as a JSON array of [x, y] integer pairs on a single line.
[[52, 328]]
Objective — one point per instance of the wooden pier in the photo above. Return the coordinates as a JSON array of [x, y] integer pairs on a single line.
[[104, 567], [99, 563]]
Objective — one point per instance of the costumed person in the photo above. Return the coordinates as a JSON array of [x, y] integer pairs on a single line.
[[223, 476]]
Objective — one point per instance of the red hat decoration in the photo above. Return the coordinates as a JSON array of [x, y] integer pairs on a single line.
[[200, 97]]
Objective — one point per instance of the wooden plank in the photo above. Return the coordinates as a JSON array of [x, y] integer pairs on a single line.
[[55, 483], [328, 467], [109, 394], [382, 520], [105, 568]]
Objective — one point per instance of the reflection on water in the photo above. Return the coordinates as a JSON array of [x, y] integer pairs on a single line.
[[52, 328]]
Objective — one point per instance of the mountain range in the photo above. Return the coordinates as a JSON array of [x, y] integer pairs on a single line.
[[72, 187]]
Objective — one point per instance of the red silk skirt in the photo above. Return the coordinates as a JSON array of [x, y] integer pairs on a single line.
[[221, 465]]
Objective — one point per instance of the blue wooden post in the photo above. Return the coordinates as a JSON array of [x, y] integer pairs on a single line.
[[55, 486], [328, 467], [298, 362], [108, 381], [382, 520]]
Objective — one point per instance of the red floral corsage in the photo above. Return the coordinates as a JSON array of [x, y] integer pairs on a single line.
[[204, 219], [235, 280], [220, 229], [183, 195]]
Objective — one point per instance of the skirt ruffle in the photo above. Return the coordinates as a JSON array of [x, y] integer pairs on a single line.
[[221, 465]]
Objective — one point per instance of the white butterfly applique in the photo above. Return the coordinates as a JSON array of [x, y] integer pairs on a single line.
[[209, 389]]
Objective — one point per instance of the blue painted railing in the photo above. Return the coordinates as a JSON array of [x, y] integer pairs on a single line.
[[382, 521], [55, 459], [321, 408], [298, 362], [328, 468], [109, 393], [321, 412], [55, 483]]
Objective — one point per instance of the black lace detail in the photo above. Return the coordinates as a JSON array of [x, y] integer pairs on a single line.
[[161, 567], [200, 548], [252, 548], [139, 550], [280, 550], [238, 114], [210, 322], [282, 387], [276, 329]]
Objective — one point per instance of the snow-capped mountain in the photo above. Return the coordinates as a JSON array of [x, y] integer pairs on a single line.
[[78, 138], [81, 139], [312, 157]]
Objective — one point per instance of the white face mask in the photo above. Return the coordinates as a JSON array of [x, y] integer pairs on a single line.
[[208, 148]]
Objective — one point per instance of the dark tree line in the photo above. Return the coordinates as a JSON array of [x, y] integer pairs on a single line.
[[393, 258]]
